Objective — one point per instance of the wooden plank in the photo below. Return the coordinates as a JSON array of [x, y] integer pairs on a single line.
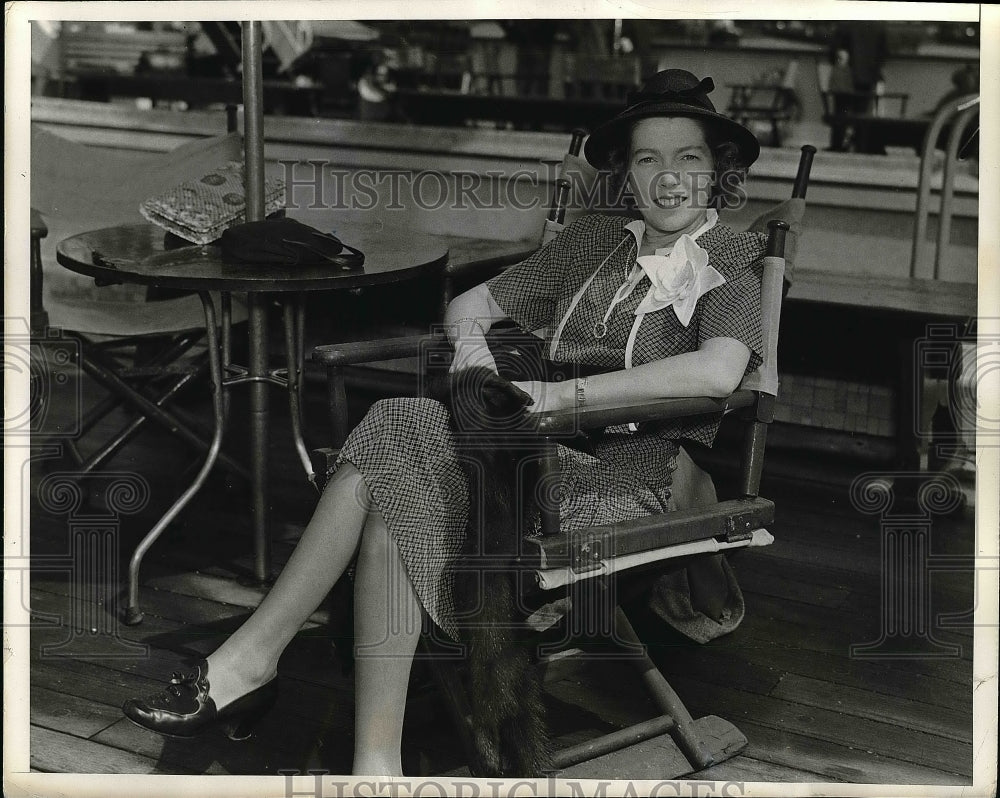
[[772, 743], [866, 562], [726, 667], [276, 744], [870, 676], [746, 768], [188, 641], [55, 752], [861, 561], [153, 630], [224, 591], [950, 592], [766, 582], [948, 723], [100, 685], [833, 761], [616, 708], [752, 667], [161, 603], [834, 520], [818, 629], [300, 699], [943, 601], [81, 717], [86, 679], [933, 751]]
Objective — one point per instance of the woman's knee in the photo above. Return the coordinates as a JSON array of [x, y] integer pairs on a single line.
[[385, 413], [347, 484]]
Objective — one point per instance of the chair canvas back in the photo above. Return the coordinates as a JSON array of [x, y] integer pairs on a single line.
[[764, 378]]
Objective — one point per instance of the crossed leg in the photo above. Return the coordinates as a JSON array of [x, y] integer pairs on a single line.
[[346, 525]]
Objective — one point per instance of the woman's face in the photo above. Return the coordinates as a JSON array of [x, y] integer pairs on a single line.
[[672, 171]]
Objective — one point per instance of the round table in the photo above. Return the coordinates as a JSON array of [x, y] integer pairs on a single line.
[[143, 254], [138, 254]]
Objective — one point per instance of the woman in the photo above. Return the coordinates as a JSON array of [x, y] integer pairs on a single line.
[[661, 314]]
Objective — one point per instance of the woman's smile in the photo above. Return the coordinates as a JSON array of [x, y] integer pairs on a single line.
[[670, 201]]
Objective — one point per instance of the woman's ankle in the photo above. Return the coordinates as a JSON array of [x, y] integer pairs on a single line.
[[232, 677]]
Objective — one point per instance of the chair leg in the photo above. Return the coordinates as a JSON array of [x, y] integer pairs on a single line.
[[337, 404], [102, 373], [666, 699], [178, 347], [130, 430]]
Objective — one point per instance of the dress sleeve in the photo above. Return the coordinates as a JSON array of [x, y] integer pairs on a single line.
[[528, 291], [733, 311]]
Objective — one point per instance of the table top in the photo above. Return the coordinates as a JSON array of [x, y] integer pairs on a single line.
[[137, 254], [925, 298]]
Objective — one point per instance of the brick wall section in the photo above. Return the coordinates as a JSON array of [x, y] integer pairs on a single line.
[[836, 405]]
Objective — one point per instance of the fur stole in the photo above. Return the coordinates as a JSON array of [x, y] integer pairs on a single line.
[[505, 686]]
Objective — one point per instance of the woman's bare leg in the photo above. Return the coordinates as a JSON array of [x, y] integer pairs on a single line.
[[249, 657], [387, 622]]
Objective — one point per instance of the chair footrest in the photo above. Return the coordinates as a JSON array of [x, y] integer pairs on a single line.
[[659, 757], [728, 521]]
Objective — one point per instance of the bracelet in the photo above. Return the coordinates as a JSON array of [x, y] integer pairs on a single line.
[[581, 391], [477, 322]]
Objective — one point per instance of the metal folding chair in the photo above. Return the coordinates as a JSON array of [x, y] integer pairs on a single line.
[[140, 347]]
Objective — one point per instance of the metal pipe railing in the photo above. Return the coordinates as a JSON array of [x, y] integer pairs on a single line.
[[946, 112]]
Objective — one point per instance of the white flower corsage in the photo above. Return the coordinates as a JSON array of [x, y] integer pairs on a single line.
[[678, 279]]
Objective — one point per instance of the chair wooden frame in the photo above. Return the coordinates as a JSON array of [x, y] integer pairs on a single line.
[[596, 553]]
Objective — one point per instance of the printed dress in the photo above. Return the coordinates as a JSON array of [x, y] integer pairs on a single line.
[[404, 449]]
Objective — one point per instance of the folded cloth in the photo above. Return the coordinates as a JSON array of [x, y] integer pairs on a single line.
[[200, 210], [287, 242]]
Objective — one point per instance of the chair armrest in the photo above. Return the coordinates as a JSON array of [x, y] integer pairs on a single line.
[[354, 352], [472, 258], [564, 421], [38, 227]]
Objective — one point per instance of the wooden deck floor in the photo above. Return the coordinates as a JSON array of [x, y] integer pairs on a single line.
[[785, 677]]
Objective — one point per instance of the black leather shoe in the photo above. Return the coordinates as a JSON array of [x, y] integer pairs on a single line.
[[185, 709]]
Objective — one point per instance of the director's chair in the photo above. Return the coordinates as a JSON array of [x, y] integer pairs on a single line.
[[592, 556]]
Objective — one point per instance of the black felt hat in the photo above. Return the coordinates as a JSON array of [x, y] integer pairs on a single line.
[[672, 92]]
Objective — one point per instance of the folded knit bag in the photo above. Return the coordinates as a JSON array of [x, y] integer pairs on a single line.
[[200, 210]]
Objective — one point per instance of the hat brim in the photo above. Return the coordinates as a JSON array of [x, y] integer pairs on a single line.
[[609, 135]]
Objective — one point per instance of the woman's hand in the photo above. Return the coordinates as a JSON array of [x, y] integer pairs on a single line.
[[548, 396]]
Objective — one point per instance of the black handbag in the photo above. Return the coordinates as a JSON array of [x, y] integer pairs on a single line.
[[287, 242]]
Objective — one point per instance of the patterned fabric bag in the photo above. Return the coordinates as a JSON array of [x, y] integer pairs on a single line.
[[200, 210]]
